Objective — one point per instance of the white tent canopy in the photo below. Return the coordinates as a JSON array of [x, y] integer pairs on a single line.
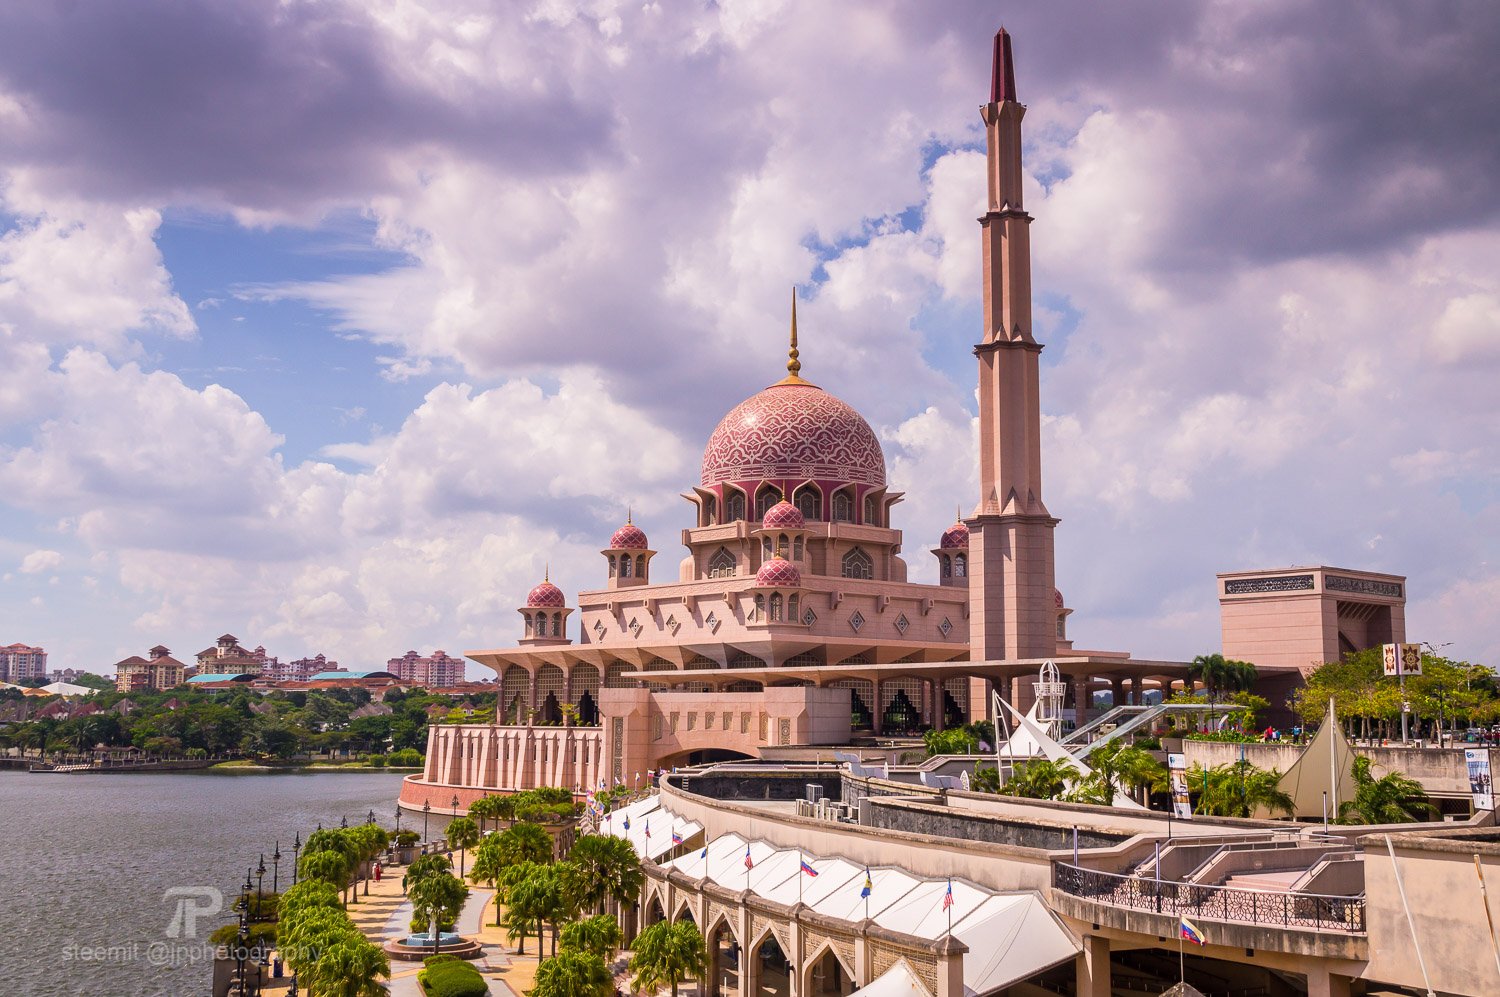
[[1010, 936], [898, 981]]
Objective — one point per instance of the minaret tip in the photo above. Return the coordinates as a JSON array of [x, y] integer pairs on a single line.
[[628, 513], [793, 365], [546, 572], [1003, 79]]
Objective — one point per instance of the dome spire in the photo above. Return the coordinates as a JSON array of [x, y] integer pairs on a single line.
[[793, 365]]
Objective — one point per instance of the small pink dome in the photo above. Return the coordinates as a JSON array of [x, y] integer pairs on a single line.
[[956, 535], [783, 516], [778, 572], [1057, 597], [546, 596], [629, 537]]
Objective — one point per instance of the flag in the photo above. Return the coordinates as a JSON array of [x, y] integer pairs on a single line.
[[704, 854], [748, 864], [948, 897], [807, 868], [676, 838], [648, 830], [627, 823], [1189, 931], [869, 885]]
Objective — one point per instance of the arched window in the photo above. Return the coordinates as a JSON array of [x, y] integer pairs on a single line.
[[946, 566], [791, 611], [872, 517], [760, 606], [557, 624], [783, 546], [797, 549], [541, 624], [775, 607], [722, 564], [640, 565], [528, 625], [764, 499], [843, 508], [710, 510], [960, 565], [734, 506], [611, 565], [625, 566], [809, 503], [857, 564], [766, 549]]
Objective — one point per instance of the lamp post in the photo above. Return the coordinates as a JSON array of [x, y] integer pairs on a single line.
[[242, 939], [260, 877], [426, 809], [344, 821], [398, 818], [370, 817], [276, 869], [296, 853]]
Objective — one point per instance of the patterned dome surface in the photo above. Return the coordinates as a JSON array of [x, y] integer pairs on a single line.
[[956, 535], [783, 516], [778, 571], [546, 596], [793, 431], [628, 537], [1057, 597]]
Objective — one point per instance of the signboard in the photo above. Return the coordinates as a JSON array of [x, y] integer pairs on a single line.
[[1182, 804], [1401, 659], [1477, 760]]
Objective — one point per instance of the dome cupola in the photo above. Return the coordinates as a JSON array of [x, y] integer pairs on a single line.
[[783, 516], [629, 556], [546, 596], [778, 572], [545, 614], [952, 553]]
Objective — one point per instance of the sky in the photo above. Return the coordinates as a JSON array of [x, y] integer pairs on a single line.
[[335, 325]]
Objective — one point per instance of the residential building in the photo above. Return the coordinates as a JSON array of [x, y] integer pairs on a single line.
[[19, 662], [437, 670], [157, 671]]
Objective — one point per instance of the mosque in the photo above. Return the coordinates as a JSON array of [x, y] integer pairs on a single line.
[[791, 620]]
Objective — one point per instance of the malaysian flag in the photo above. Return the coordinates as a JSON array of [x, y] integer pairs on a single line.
[[748, 863], [948, 897]]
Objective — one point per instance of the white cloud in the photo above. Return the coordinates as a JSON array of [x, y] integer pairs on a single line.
[[39, 561]]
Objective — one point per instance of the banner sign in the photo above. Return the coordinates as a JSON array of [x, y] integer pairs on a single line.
[[1477, 760], [1401, 659], [1182, 804]]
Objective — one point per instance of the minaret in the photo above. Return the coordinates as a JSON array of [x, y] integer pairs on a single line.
[[1012, 613]]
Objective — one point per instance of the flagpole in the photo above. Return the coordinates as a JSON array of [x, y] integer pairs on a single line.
[[800, 874], [1181, 962]]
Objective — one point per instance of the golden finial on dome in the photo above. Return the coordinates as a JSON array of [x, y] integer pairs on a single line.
[[547, 573], [793, 365], [628, 521]]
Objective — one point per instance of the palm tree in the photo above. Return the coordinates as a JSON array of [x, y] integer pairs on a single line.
[[1220, 675], [330, 866], [667, 953], [436, 901], [608, 868], [525, 842], [1117, 766], [1040, 779], [1391, 799], [338, 840], [573, 974], [526, 905], [1239, 790], [599, 935], [486, 809], [351, 967], [463, 834]]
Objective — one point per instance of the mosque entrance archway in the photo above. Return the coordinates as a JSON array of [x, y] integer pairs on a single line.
[[827, 977], [723, 962], [771, 970], [703, 756], [588, 711]]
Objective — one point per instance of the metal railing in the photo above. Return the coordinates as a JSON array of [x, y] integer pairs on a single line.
[[1214, 903]]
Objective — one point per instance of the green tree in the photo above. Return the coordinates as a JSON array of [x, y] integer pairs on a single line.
[[667, 953], [573, 974], [1118, 767], [463, 834], [524, 841], [527, 903], [331, 867], [1391, 799], [608, 869], [599, 935], [350, 967], [424, 866], [490, 868], [953, 741], [1239, 790], [1041, 779], [435, 902], [486, 809]]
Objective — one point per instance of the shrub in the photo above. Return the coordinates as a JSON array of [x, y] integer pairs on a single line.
[[438, 960], [407, 839], [376, 761], [405, 758], [453, 979]]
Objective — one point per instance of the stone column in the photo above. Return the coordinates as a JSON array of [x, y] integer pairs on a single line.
[[1322, 983], [1117, 691], [879, 708], [1135, 690], [938, 717], [950, 967], [1081, 699], [1091, 967]]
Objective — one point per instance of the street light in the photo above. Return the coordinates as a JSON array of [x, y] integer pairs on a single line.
[[398, 818], [296, 852], [426, 809], [370, 818], [344, 821], [260, 876], [276, 869]]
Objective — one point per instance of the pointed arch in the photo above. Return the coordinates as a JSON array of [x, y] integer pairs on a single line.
[[734, 504], [809, 501], [843, 506], [858, 564], [765, 497], [723, 564], [960, 565]]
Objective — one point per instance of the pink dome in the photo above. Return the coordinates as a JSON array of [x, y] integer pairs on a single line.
[[546, 596], [956, 535], [1057, 598], [783, 516], [793, 431], [778, 572], [629, 537]]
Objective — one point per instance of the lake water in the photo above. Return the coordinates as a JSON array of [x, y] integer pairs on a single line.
[[88, 860]]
